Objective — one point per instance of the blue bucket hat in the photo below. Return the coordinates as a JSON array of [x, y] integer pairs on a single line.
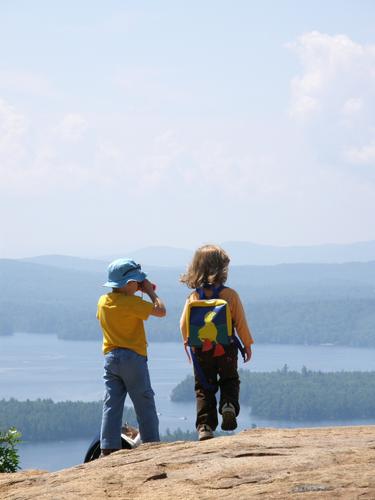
[[121, 271]]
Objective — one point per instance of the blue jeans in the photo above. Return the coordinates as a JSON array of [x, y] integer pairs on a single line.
[[126, 372]]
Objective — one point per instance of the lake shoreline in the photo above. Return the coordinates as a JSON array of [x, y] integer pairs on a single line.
[[178, 342], [41, 366]]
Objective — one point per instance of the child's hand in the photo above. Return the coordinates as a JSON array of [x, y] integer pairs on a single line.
[[147, 286], [248, 354], [159, 308]]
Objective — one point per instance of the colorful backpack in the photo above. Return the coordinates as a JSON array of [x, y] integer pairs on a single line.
[[209, 322]]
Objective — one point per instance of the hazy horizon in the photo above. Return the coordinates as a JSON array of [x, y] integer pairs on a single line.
[[129, 125], [241, 253], [186, 248]]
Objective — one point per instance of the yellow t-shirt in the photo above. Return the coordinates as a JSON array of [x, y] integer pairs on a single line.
[[121, 318], [236, 310]]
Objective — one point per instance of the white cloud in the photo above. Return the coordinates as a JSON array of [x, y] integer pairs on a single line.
[[361, 156], [304, 106], [12, 126], [26, 82], [13, 144], [37, 155], [73, 127], [332, 67], [124, 154], [334, 96], [352, 107], [147, 89]]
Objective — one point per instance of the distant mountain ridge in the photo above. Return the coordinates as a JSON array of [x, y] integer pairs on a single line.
[[69, 262], [159, 256], [242, 253], [291, 275], [246, 254]]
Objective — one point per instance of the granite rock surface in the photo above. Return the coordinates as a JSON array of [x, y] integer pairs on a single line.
[[324, 463]]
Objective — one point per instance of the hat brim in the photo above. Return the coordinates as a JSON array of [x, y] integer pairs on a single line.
[[134, 276]]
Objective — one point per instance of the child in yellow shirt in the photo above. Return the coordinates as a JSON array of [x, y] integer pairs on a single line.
[[121, 314]]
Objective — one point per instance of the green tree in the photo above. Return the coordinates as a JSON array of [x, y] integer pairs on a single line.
[[9, 458]]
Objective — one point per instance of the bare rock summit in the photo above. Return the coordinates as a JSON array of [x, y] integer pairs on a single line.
[[324, 463]]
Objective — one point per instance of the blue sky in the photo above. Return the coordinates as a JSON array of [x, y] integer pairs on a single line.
[[127, 124]]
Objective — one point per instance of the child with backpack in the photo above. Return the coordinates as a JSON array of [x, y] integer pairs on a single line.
[[212, 316]]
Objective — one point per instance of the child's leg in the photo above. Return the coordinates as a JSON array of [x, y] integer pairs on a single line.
[[229, 381], [206, 399], [113, 405], [138, 384]]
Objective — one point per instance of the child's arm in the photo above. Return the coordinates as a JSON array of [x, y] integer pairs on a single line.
[[183, 323], [240, 324], [159, 307], [183, 330], [248, 354]]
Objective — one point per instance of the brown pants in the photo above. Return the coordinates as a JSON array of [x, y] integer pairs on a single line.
[[222, 373]]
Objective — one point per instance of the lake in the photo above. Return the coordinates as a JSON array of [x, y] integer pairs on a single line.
[[42, 366]]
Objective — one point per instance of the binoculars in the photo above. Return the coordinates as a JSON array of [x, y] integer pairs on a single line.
[[140, 286]]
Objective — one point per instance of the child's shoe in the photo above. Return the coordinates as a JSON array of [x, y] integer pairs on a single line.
[[229, 417], [205, 432], [107, 452]]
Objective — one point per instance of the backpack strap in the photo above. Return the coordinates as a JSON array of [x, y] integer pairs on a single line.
[[239, 345], [215, 292]]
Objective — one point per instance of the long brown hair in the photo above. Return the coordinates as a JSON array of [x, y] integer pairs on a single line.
[[208, 267]]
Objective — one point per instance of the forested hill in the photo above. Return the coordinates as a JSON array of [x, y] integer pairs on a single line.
[[274, 279], [300, 396], [291, 303]]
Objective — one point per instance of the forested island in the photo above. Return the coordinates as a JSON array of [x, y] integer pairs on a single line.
[[46, 420], [301, 396]]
